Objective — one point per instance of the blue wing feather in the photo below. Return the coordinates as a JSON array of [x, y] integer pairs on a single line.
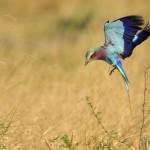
[[138, 39], [142, 36], [131, 26], [120, 34]]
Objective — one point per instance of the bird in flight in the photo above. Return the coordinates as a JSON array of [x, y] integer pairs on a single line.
[[121, 38]]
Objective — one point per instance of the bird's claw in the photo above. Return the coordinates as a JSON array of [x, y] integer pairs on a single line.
[[111, 69]]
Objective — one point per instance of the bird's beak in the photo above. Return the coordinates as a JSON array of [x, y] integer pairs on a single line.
[[86, 62]]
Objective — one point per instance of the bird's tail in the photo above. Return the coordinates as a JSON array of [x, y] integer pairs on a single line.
[[142, 36], [124, 76], [126, 81]]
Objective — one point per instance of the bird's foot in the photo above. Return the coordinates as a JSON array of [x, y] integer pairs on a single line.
[[111, 69]]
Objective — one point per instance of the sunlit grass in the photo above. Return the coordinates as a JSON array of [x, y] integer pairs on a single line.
[[42, 50]]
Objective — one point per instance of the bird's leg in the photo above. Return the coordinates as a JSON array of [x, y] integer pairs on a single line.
[[111, 69]]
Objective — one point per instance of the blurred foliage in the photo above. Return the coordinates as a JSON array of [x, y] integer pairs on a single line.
[[75, 23]]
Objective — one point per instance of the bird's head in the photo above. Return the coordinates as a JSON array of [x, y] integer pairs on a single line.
[[91, 54]]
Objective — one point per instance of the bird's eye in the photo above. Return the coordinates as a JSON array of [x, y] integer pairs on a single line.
[[93, 55]]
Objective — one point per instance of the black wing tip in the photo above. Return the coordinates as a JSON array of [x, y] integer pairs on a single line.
[[135, 18], [147, 28]]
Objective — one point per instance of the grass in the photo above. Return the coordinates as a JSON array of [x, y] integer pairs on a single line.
[[43, 78], [107, 142]]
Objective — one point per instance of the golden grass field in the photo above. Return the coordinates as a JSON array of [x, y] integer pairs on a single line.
[[44, 84]]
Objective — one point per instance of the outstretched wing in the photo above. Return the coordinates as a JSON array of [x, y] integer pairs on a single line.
[[120, 33], [142, 36]]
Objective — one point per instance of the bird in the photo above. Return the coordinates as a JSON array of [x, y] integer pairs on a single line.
[[121, 37]]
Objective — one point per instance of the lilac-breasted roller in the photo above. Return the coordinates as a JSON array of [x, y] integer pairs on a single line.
[[120, 40]]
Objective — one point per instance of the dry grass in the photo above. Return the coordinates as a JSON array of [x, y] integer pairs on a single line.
[[42, 73]]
